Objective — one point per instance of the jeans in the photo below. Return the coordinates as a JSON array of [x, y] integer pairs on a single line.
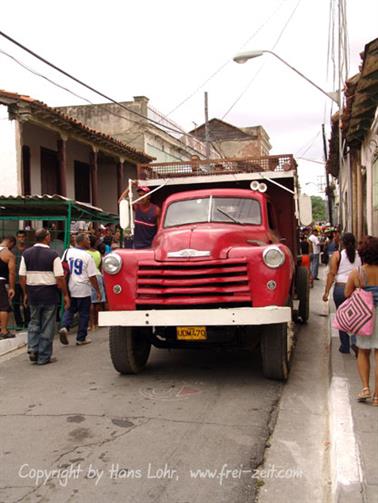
[[82, 306], [339, 297], [41, 331], [314, 266]]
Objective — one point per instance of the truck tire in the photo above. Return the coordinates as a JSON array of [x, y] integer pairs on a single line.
[[274, 352], [129, 349], [302, 286]]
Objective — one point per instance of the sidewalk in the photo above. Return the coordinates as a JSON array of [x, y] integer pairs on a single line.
[[353, 428], [321, 428]]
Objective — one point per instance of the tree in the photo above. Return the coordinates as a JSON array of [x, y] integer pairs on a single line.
[[318, 209]]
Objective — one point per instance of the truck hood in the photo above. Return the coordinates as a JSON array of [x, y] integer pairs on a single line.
[[206, 241]]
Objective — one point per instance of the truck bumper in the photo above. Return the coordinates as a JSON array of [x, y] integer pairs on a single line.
[[196, 317]]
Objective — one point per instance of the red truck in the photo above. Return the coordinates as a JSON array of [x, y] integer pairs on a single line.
[[223, 268]]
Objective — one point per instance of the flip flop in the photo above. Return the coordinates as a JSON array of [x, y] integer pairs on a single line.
[[364, 395]]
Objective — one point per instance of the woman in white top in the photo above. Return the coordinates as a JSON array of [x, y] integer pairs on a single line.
[[341, 264]]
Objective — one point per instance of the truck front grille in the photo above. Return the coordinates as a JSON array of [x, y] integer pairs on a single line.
[[193, 283]]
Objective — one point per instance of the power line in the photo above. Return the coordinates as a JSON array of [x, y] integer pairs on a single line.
[[214, 74], [60, 70], [262, 66], [306, 147], [60, 86], [139, 124], [310, 160]]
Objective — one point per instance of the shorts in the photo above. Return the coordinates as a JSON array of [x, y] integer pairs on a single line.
[[100, 282], [4, 301]]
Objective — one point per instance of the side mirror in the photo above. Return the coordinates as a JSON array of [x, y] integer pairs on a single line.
[[305, 210], [124, 214]]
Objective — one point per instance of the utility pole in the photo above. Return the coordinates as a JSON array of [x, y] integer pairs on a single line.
[[207, 137], [328, 190]]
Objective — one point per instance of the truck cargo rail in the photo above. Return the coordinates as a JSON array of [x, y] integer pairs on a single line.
[[209, 167]]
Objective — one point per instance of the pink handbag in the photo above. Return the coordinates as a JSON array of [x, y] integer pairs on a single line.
[[356, 315]]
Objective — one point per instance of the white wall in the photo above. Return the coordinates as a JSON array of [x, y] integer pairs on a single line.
[[9, 175]]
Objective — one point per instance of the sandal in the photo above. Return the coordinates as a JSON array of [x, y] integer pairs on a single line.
[[7, 335], [364, 395], [375, 401]]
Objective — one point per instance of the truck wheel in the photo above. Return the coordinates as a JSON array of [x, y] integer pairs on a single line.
[[274, 351], [302, 286], [129, 349]]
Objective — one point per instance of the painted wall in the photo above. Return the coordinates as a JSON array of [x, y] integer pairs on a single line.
[[36, 137], [75, 152], [369, 161], [9, 174], [107, 184], [132, 130]]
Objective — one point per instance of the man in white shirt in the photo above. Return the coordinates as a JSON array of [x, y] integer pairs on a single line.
[[314, 265], [82, 276]]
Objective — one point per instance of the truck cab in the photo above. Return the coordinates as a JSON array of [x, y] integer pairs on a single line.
[[219, 272]]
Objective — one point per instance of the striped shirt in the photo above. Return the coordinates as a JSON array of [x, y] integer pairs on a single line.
[[41, 266]]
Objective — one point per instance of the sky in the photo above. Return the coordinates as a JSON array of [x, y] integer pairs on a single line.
[[173, 51]]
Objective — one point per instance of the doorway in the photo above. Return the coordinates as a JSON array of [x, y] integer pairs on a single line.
[[49, 172]]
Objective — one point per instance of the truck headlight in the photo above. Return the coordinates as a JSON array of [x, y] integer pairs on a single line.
[[112, 263], [273, 257]]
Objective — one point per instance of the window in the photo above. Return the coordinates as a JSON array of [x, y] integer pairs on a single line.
[[229, 210], [187, 212]]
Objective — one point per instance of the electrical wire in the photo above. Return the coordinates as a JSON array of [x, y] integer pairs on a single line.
[[310, 160], [60, 70], [262, 66], [60, 86], [306, 147], [138, 123], [215, 73]]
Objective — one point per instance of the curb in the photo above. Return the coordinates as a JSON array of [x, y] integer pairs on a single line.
[[8, 345], [345, 460]]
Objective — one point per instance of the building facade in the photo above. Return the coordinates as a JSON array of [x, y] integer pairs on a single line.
[[357, 173], [130, 123], [43, 151], [232, 141]]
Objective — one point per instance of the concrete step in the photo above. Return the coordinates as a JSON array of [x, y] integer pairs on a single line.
[[7, 345]]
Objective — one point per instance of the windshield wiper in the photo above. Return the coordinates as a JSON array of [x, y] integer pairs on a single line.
[[228, 215]]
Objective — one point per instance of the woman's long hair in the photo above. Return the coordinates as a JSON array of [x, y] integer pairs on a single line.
[[349, 243]]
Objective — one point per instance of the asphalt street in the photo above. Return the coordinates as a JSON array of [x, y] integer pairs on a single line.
[[192, 428]]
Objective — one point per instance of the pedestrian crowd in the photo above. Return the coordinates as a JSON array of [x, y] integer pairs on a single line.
[[317, 244], [352, 265], [31, 277], [34, 278]]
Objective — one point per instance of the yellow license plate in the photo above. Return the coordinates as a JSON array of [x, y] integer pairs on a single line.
[[191, 333]]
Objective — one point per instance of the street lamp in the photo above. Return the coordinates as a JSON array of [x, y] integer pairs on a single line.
[[243, 57]]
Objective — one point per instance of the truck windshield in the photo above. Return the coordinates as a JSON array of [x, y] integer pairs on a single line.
[[231, 210]]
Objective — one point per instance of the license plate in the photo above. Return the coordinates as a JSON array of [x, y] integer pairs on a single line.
[[191, 333]]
